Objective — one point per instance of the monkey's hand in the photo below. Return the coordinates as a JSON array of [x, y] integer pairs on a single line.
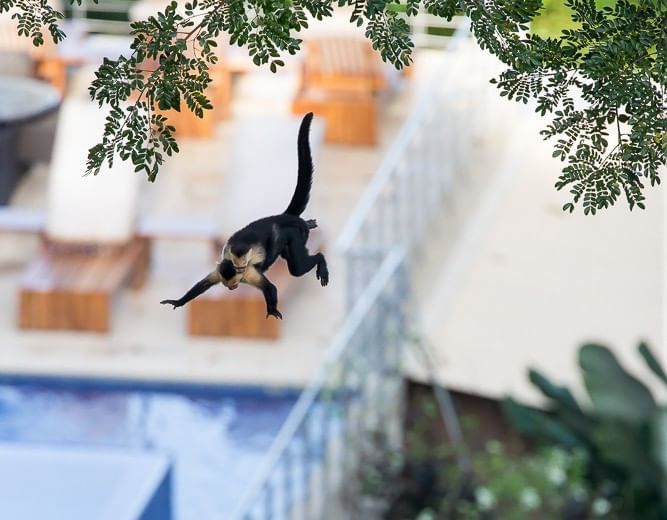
[[275, 313], [175, 303]]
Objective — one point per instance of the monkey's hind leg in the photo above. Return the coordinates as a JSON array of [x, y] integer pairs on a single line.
[[300, 261]]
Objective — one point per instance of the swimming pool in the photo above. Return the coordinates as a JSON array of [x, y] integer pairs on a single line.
[[216, 436]]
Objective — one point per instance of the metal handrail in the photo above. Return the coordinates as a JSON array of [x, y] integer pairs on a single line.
[[374, 244], [399, 147], [407, 192], [307, 399]]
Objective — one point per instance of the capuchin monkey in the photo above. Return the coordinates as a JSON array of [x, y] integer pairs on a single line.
[[252, 250]]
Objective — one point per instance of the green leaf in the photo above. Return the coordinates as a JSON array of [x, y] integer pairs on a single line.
[[558, 393], [613, 392], [537, 424], [652, 362], [565, 408], [627, 446], [660, 427]]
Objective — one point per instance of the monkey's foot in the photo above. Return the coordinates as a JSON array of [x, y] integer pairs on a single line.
[[311, 223], [322, 273], [175, 303], [275, 313]]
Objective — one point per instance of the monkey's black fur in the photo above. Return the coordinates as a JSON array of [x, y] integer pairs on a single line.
[[253, 249], [304, 180]]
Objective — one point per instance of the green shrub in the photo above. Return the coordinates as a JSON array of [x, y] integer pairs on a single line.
[[622, 433]]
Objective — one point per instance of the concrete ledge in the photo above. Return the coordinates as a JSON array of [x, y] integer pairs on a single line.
[[81, 484]]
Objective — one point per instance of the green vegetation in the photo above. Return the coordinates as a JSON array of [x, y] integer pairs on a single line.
[[606, 460], [622, 435], [602, 82], [550, 483], [422, 480]]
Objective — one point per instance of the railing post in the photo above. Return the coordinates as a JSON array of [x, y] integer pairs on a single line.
[[268, 501], [435, 162], [405, 197], [307, 466], [382, 221], [287, 482], [396, 221], [349, 279], [325, 486]]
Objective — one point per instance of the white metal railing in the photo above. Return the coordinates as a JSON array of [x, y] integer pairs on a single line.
[[430, 152], [355, 388], [360, 380]]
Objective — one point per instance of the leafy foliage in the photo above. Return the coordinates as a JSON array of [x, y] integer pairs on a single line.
[[602, 82], [550, 483], [421, 478], [620, 435]]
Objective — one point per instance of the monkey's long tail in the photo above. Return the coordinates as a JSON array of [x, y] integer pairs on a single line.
[[305, 174]]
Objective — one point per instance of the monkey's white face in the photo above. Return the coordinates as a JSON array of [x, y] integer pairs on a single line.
[[241, 263]]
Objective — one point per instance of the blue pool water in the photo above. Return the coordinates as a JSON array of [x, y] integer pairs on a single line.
[[215, 436]]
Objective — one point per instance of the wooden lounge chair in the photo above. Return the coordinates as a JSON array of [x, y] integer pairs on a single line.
[[343, 64], [341, 77], [72, 287], [89, 250], [258, 184]]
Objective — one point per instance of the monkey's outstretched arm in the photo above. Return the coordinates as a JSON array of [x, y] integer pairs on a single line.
[[201, 286], [270, 297]]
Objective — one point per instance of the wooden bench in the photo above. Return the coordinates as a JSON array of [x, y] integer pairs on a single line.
[[242, 312], [341, 77], [72, 287], [342, 64], [350, 118]]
